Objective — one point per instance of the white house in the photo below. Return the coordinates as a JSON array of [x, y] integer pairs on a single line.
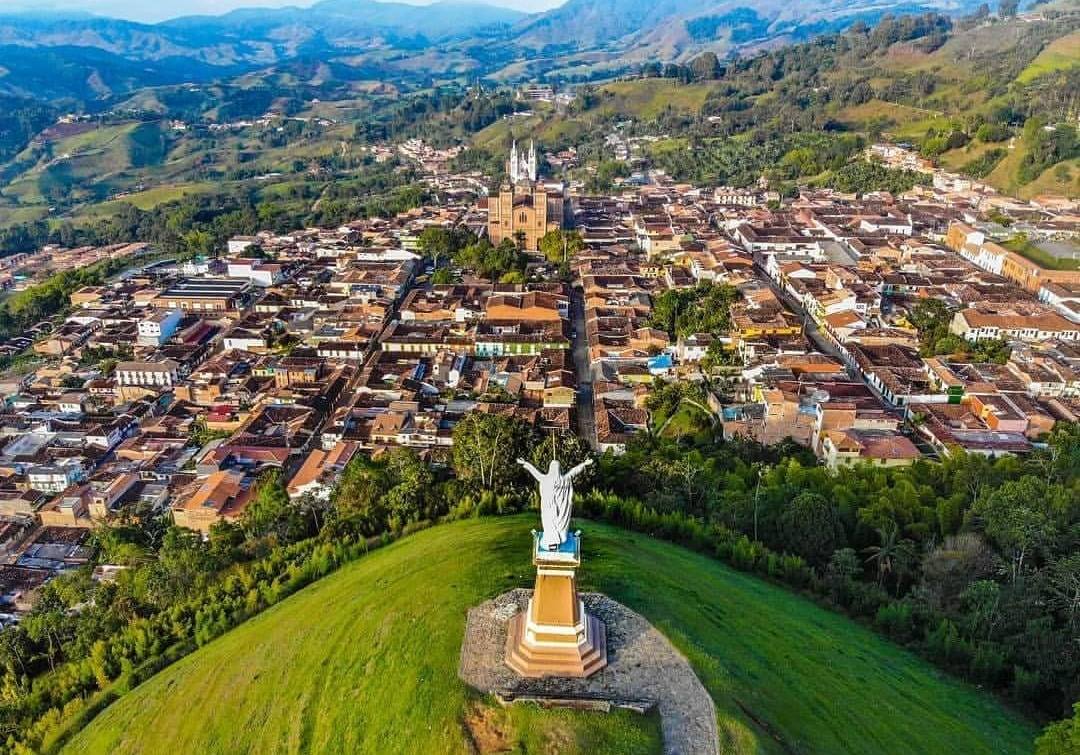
[[244, 340], [240, 244], [159, 327], [693, 348], [162, 373], [1064, 298], [260, 273], [986, 321], [55, 478]]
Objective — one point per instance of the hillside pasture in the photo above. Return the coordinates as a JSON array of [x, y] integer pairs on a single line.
[[365, 660]]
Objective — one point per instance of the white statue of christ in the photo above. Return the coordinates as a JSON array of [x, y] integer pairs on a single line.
[[556, 500]]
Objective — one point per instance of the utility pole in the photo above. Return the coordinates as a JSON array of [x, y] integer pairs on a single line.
[[757, 491]]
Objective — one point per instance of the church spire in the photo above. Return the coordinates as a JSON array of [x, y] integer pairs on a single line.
[[522, 166]]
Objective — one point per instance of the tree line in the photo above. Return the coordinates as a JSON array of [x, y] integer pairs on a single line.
[[971, 562], [202, 223], [86, 642]]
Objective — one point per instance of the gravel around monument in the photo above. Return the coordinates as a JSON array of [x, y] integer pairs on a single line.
[[644, 670]]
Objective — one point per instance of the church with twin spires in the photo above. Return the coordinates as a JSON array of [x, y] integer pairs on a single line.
[[524, 204]]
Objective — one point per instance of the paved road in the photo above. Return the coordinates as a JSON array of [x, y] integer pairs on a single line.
[[821, 341], [586, 420]]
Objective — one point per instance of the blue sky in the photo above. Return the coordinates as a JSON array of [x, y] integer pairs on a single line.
[[150, 11]]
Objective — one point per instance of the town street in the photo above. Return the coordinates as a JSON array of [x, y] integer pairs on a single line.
[[586, 419]]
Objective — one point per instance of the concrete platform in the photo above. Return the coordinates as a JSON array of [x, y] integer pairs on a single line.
[[579, 660], [644, 671]]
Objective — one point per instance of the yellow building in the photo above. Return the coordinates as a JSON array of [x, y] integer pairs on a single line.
[[747, 323], [523, 204]]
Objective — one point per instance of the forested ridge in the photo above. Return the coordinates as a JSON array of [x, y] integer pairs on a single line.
[[969, 89]]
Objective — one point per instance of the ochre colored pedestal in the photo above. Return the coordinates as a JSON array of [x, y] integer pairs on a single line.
[[555, 636]]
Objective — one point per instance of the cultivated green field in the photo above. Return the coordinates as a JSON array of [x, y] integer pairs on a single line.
[[1059, 55], [149, 198], [365, 661], [648, 98]]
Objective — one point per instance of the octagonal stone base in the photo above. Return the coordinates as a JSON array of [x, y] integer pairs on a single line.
[[535, 651]]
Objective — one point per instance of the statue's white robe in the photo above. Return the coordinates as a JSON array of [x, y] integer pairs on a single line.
[[556, 501]]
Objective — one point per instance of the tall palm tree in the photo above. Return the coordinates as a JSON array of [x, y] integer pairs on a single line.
[[888, 553]]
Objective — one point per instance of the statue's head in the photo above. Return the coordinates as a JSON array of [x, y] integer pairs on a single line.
[[553, 467]]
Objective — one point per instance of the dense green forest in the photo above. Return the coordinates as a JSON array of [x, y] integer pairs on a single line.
[[20, 120]]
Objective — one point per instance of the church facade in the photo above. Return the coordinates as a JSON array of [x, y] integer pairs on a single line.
[[523, 204]]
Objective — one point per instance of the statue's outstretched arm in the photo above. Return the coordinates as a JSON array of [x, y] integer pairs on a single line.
[[579, 468], [531, 469]]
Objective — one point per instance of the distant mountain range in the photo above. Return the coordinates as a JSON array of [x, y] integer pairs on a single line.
[[630, 23], [90, 58], [263, 36]]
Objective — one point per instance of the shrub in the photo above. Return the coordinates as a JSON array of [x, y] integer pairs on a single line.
[[988, 663], [867, 598], [1027, 684], [947, 646], [745, 553], [895, 620], [983, 165], [795, 571], [993, 132]]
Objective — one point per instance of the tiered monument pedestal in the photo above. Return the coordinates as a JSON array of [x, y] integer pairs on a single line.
[[554, 635]]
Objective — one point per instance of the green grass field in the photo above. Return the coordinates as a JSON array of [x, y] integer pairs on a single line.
[[1004, 176], [955, 159], [148, 199], [897, 115], [365, 661], [1061, 54], [544, 126], [1062, 179], [648, 98], [688, 420], [1026, 248], [15, 215]]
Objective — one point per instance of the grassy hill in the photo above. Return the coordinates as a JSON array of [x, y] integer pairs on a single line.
[[977, 73], [915, 89], [640, 99], [1059, 55], [365, 661], [145, 164], [75, 172], [86, 156], [648, 98]]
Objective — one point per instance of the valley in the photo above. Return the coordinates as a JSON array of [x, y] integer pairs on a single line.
[[296, 303]]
